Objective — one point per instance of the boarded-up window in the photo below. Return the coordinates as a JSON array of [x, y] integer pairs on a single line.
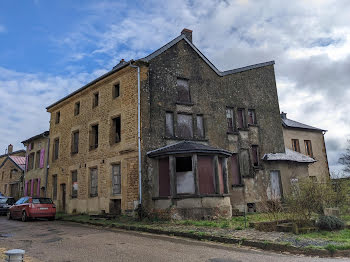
[[93, 182], [295, 145], [95, 99], [37, 159], [221, 176], [54, 187], [58, 116], [183, 91], [169, 124], [236, 176], [116, 90], [240, 118], [184, 126], [206, 175], [276, 185], [77, 108], [56, 145], [74, 184], [255, 155], [229, 119], [184, 176], [251, 117], [75, 142], [244, 163], [94, 137], [164, 177], [308, 148], [200, 126], [116, 180], [116, 130]]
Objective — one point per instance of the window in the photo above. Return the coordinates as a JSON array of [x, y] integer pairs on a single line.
[[75, 142], [184, 126], [275, 185], [94, 137], [169, 124], [200, 126], [308, 148], [93, 182], [31, 161], [240, 116], [236, 176], [54, 187], [37, 159], [295, 145], [116, 90], [229, 120], [251, 117], [77, 108], [183, 91], [58, 116], [255, 155], [116, 130], [56, 145], [74, 184], [184, 176], [5, 189], [31, 146], [95, 100], [116, 180]]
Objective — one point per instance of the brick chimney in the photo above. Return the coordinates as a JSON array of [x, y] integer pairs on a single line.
[[9, 149], [188, 33], [284, 115]]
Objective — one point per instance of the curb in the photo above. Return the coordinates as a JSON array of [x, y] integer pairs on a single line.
[[227, 240]]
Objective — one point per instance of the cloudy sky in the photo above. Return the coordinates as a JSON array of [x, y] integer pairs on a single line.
[[50, 48]]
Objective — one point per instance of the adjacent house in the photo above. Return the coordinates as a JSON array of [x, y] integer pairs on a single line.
[[174, 135], [9, 151], [36, 172], [309, 141]]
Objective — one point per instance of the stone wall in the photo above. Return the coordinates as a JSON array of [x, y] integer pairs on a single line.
[[7, 179]]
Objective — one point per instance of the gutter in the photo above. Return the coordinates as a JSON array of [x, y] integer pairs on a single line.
[[47, 164]]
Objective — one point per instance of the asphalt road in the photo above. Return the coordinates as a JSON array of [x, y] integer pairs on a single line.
[[65, 241]]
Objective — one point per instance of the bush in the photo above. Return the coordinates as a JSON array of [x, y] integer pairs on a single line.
[[329, 223]]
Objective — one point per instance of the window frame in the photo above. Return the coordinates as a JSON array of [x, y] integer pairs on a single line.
[[296, 146], [200, 136], [74, 192], [231, 110], [75, 146], [56, 148], [241, 110], [91, 194], [255, 155], [120, 179], [172, 131], [95, 99], [179, 100], [113, 133], [57, 118], [93, 136], [306, 142], [77, 108], [177, 130], [115, 94], [253, 111]]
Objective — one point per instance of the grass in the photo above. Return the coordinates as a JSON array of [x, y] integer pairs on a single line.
[[341, 236]]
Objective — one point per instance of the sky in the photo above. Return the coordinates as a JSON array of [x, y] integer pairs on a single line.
[[51, 48]]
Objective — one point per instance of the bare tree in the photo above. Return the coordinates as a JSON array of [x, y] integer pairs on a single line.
[[345, 159]]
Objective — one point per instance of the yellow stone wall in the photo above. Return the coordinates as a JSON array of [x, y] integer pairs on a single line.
[[6, 179]]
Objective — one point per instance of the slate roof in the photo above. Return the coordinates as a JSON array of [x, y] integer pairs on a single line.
[[155, 54], [14, 152], [19, 161], [43, 134], [289, 155], [294, 124], [187, 147]]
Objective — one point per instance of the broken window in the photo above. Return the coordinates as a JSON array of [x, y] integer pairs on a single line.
[[255, 155], [56, 145], [184, 176], [95, 100], [200, 126], [116, 180], [240, 118], [116, 130], [236, 176], [295, 145], [251, 117], [184, 126], [308, 148], [75, 142], [93, 182], [94, 137], [74, 184], [77, 108], [164, 177], [116, 90], [183, 91], [229, 120], [169, 124], [54, 187], [37, 159], [58, 116]]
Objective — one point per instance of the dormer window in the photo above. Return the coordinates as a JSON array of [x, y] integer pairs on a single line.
[[183, 91]]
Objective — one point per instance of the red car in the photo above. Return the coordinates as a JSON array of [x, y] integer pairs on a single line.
[[32, 207]]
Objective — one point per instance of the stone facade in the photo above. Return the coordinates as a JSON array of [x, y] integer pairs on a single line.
[[15, 153], [11, 178]]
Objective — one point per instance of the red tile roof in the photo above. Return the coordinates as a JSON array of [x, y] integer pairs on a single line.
[[19, 160]]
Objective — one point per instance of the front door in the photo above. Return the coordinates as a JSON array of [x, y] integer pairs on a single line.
[[276, 186], [63, 197]]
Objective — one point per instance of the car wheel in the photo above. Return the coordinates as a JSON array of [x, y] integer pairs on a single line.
[[9, 215], [51, 218], [24, 216]]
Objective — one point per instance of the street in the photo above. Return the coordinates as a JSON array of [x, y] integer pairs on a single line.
[[64, 241]]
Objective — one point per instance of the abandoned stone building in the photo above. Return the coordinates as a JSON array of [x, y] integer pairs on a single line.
[[173, 133], [11, 173], [309, 141], [36, 172]]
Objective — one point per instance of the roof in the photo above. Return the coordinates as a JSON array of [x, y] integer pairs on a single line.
[[14, 152], [289, 155], [187, 147], [148, 58], [294, 124], [19, 161], [43, 134]]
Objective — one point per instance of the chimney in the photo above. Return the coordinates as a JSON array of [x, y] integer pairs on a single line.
[[188, 33], [284, 115], [122, 60], [10, 149]]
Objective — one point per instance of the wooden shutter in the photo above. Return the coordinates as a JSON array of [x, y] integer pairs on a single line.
[[42, 157], [206, 175], [164, 177]]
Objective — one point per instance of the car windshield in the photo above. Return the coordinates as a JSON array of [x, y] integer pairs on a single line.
[[22, 200], [41, 201], [3, 200]]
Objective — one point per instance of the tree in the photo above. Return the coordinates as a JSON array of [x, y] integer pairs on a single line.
[[345, 159]]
